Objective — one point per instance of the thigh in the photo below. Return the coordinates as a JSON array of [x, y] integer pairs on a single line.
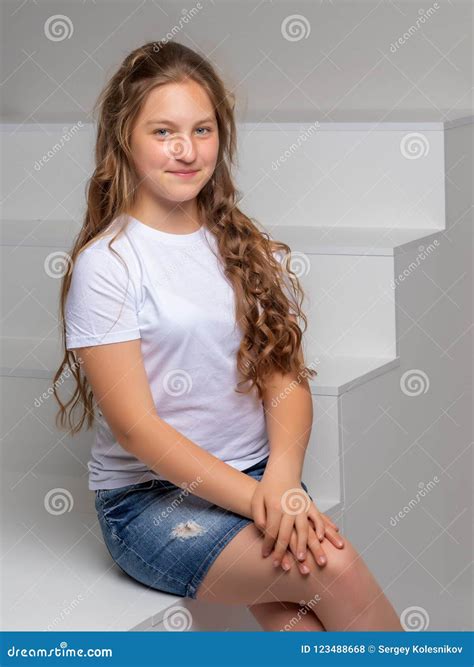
[[164, 536], [240, 575]]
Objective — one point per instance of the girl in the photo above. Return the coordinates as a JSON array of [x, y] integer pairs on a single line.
[[182, 318]]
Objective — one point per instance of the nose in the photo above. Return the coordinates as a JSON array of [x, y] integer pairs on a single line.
[[182, 148]]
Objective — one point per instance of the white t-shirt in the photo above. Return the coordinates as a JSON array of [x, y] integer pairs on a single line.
[[178, 301]]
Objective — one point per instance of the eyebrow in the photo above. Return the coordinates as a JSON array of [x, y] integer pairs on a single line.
[[166, 121]]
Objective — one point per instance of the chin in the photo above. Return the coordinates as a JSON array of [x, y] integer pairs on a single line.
[[181, 194]]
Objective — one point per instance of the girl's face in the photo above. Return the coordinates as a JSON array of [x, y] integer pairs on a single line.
[[175, 132]]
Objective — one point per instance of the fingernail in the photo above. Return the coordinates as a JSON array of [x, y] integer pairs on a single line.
[[286, 566], [266, 553], [301, 555], [304, 569], [321, 560], [276, 563]]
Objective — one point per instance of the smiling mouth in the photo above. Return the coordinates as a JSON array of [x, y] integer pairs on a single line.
[[184, 173]]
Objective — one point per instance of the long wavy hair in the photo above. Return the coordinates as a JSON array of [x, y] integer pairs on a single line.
[[270, 339]]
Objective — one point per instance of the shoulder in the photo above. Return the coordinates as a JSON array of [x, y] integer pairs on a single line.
[[108, 252]]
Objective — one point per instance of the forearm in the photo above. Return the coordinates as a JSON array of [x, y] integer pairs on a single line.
[[289, 416], [184, 463]]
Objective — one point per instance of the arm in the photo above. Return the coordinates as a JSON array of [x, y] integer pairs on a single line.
[[289, 416], [120, 386]]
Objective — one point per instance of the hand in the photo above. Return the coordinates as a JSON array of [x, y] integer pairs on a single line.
[[314, 545], [278, 507]]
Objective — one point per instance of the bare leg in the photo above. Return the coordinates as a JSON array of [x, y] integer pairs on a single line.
[[286, 616], [344, 594]]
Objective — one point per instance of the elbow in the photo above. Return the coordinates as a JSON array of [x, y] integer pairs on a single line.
[[135, 438]]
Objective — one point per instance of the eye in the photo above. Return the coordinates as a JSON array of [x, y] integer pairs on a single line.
[[208, 129], [161, 129]]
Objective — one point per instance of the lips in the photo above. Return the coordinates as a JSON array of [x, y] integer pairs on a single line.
[[184, 175]]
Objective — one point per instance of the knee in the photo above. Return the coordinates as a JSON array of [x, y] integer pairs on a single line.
[[348, 575], [343, 567]]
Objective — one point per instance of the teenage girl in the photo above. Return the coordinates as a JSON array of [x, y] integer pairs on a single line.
[[180, 323]]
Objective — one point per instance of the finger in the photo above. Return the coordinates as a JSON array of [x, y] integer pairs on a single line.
[[334, 538], [286, 561], [303, 567], [316, 549], [271, 531], [302, 528], [283, 539], [318, 522], [259, 514]]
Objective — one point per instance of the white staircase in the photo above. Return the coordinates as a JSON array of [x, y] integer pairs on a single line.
[[356, 209]]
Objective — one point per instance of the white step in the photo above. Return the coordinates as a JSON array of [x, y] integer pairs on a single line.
[[338, 240], [342, 174]]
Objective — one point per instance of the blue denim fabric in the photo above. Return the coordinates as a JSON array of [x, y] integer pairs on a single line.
[[164, 536]]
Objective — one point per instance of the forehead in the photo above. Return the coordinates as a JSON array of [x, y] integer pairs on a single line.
[[182, 102]]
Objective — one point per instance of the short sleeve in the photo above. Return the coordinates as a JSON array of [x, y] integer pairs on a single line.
[[279, 255], [101, 304]]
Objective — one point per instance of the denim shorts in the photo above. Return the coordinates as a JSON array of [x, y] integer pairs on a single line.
[[164, 536]]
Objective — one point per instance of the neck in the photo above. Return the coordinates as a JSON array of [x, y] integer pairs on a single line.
[[166, 216]]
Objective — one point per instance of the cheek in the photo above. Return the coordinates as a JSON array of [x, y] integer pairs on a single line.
[[209, 153], [150, 155]]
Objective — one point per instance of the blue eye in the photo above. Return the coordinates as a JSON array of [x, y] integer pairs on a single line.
[[162, 129]]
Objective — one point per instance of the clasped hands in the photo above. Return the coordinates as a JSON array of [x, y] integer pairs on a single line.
[[286, 515]]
